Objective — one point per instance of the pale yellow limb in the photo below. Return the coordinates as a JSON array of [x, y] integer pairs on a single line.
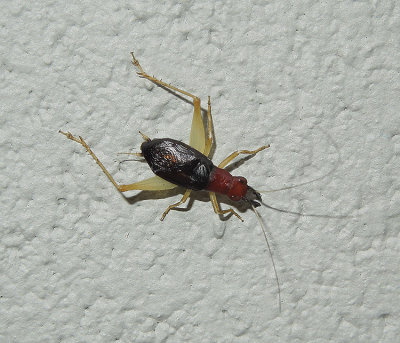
[[154, 183], [217, 209], [236, 153], [184, 198], [197, 134], [142, 73], [209, 138]]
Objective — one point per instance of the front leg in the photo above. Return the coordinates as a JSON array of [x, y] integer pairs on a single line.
[[218, 210], [154, 183], [238, 152]]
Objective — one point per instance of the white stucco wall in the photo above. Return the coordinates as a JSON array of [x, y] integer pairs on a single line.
[[318, 81]]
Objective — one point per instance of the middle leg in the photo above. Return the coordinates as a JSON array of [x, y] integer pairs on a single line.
[[184, 198], [218, 210]]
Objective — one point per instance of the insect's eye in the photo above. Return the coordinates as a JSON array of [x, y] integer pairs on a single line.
[[235, 197], [242, 180]]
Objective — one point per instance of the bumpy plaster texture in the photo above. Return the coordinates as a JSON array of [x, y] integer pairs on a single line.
[[319, 81]]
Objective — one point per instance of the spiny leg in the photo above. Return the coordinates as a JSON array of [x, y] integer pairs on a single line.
[[154, 183], [184, 198], [218, 210], [83, 143], [236, 153], [197, 133], [142, 73]]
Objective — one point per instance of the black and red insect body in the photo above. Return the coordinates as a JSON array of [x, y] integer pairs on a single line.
[[184, 166], [178, 164]]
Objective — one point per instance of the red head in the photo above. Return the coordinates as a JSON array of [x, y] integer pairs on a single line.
[[238, 188], [235, 187]]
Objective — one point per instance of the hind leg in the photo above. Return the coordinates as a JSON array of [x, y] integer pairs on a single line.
[[198, 138], [154, 183]]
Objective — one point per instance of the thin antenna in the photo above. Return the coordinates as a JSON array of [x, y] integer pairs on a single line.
[[298, 185], [337, 163], [288, 187], [270, 254]]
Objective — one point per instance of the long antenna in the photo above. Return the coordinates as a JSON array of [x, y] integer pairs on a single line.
[[337, 163], [270, 254], [289, 187]]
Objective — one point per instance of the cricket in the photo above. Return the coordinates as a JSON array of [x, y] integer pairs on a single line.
[[176, 164]]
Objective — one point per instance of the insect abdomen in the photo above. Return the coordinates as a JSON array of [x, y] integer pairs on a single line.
[[178, 163]]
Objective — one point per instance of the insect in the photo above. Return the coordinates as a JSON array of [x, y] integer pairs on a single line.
[[187, 165]]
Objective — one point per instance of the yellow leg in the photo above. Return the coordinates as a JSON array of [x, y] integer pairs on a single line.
[[142, 73], [209, 138], [198, 138], [170, 207], [218, 210], [236, 153], [83, 143], [154, 183]]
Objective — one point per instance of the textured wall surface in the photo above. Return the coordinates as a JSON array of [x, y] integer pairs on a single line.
[[319, 81]]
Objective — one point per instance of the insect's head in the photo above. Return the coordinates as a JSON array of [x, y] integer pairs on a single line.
[[239, 190], [251, 196]]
